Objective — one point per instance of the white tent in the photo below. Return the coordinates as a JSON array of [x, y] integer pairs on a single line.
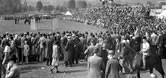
[[162, 15], [68, 13]]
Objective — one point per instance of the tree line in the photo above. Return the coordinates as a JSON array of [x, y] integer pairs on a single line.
[[16, 6], [10, 6]]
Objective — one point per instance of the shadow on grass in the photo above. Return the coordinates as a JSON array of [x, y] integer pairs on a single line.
[[29, 68], [74, 71], [80, 65]]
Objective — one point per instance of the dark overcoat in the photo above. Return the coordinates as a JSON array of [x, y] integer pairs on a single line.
[[164, 45], [49, 48], [68, 54], [112, 69], [135, 44], [160, 45]]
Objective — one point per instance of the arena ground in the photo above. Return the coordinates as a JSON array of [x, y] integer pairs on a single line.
[[40, 70], [47, 26]]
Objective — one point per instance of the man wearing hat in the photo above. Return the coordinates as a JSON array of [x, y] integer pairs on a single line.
[[76, 53], [160, 44], [69, 51], [113, 67], [42, 42]]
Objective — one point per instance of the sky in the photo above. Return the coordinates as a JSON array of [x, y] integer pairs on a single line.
[[57, 2]]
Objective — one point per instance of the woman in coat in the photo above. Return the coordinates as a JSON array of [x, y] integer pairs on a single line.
[[95, 65], [49, 50], [26, 51], [55, 56], [69, 52]]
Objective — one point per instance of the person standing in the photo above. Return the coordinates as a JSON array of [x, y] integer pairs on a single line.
[[23, 37], [29, 42], [90, 49], [104, 55], [26, 51], [99, 45], [37, 46], [76, 52], [18, 47], [160, 44], [69, 52], [6, 53], [113, 66], [42, 47], [55, 56], [13, 51], [1, 54], [95, 65], [164, 44], [117, 48], [145, 47], [63, 44], [33, 51], [49, 49], [153, 42]]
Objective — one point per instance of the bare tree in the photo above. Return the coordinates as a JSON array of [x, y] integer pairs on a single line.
[[39, 6], [81, 4], [71, 4]]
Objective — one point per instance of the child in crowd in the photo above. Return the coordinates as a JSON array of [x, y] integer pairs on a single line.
[[26, 51], [55, 57]]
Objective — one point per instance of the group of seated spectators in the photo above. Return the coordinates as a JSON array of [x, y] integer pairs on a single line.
[[102, 16], [119, 19]]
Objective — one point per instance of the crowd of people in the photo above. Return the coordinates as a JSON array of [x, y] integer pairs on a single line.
[[70, 46], [102, 16], [126, 25]]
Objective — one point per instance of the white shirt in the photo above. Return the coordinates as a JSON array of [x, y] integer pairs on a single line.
[[7, 49], [55, 51], [41, 41], [145, 47]]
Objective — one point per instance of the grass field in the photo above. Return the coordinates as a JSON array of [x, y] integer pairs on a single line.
[[77, 71], [40, 70], [47, 26]]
